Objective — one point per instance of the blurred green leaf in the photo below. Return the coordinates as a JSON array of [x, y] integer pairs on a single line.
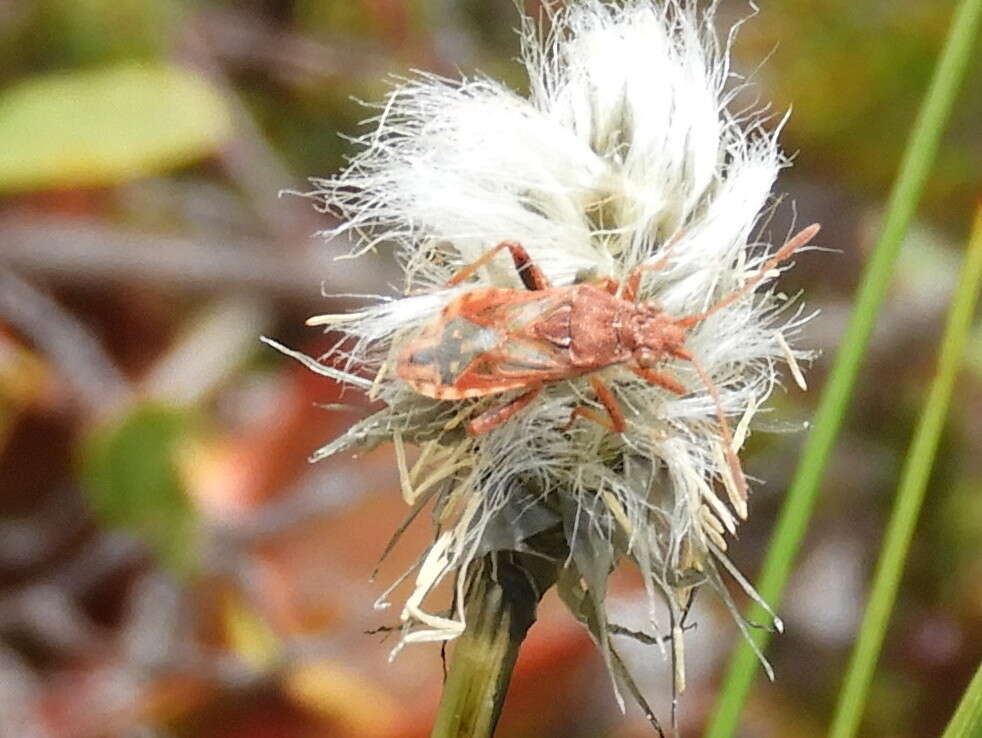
[[85, 32], [250, 636], [363, 18], [99, 128], [132, 481], [967, 720], [914, 479]]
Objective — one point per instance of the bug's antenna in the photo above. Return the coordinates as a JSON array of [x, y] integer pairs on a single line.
[[793, 244], [731, 458], [633, 283]]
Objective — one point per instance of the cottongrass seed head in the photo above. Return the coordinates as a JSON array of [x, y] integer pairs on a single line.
[[626, 153]]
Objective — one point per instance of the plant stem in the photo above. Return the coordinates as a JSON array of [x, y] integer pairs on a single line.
[[502, 598], [910, 494], [796, 512], [967, 720]]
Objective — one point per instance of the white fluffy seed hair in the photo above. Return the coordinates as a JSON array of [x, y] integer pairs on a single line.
[[625, 152]]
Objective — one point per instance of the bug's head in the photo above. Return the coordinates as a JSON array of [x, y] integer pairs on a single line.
[[654, 334]]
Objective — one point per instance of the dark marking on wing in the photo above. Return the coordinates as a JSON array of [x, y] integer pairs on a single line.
[[460, 343]]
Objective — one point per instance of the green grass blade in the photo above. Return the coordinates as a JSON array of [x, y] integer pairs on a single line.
[[967, 720], [796, 512], [910, 495]]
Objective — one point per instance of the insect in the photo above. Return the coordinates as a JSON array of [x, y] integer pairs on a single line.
[[492, 340]]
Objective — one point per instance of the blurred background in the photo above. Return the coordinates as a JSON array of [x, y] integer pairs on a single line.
[[171, 565]]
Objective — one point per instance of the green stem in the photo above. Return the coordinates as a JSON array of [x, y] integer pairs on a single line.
[[910, 494], [967, 720], [502, 598], [796, 512]]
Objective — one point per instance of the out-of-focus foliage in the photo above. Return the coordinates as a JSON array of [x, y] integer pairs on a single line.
[[104, 127], [853, 73], [131, 474], [249, 636], [90, 32], [340, 695], [156, 579]]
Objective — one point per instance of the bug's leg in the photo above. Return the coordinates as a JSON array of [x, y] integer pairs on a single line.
[[531, 276], [614, 421], [469, 270], [634, 278], [500, 414], [633, 281], [632, 284], [590, 414], [724, 427], [662, 379], [609, 284], [610, 403]]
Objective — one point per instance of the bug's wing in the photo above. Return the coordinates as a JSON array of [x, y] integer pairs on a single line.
[[507, 311], [515, 363], [478, 347], [518, 359], [534, 360], [442, 352]]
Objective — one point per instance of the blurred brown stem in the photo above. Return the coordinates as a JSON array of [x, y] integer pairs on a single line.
[[65, 341], [85, 251]]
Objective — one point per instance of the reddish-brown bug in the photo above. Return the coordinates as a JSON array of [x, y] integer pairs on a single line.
[[492, 340]]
